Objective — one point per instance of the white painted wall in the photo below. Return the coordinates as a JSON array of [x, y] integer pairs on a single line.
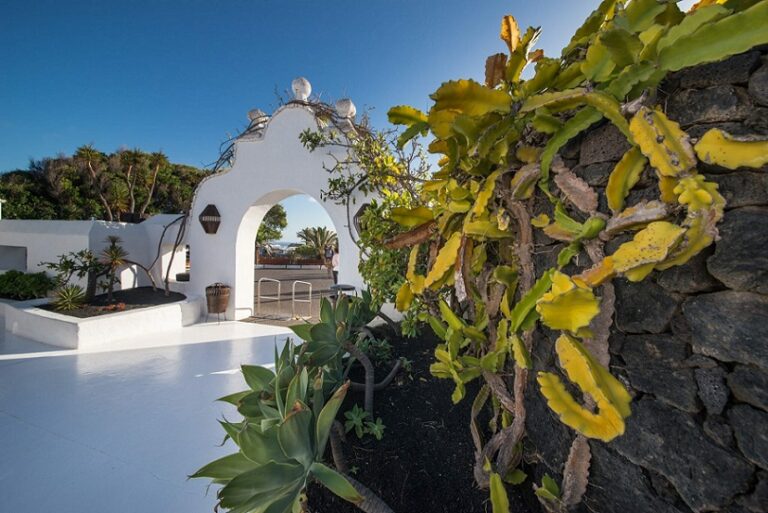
[[266, 170], [46, 240]]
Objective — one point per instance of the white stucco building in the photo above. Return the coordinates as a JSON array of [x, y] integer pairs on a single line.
[[269, 164]]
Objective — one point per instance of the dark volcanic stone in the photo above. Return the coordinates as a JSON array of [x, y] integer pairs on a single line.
[[654, 364], [741, 260], [734, 70], [758, 85], [690, 277], [605, 143], [757, 121], [616, 485], [742, 189], [740, 129], [757, 501], [711, 105], [749, 385], [730, 326], [749, 427], [643, 307], [719, 431], [712, 389], [669, 442], [596, 175]]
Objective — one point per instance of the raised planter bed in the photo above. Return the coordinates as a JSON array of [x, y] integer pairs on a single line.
[[31, 320]]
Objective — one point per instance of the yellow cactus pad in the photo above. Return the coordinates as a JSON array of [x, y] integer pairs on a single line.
[[446, 257], [590, 376], [623, 177], [718, 147], [662, 141], [597, 274], [567, 306], [404, 297], [605, 425], [650, 246], [481, 202], [610, 396], [416, 281]]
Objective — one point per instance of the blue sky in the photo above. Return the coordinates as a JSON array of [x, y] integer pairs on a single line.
[[180, 76]]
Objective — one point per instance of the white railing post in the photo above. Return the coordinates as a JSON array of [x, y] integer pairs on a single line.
[[294, 300]]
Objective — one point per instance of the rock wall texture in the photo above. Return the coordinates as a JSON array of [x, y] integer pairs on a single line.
[[690, 343]]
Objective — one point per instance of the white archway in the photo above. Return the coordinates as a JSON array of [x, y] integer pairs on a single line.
[[269, 166]]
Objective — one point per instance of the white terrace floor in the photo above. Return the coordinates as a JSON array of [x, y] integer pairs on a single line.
[[119, 431]]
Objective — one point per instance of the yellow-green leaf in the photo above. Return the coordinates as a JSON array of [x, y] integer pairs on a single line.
[[662, 141], [623, 177], [499, 499], [411, 217], [649, 246], [714, 41], [405, 115], [446, 257], [567, 306], [722, 149], [471, 98]]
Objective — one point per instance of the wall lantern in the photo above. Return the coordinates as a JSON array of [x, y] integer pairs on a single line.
[[210, 219], [358, 218]]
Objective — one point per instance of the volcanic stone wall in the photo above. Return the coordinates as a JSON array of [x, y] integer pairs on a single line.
[[690, 343]]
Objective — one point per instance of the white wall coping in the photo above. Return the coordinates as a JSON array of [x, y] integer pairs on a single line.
[[24, 319]]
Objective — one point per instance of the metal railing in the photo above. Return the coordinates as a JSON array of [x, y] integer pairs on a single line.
[[294, 300], [259, 295]]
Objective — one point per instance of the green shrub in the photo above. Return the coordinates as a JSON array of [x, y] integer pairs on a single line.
[[22, 286]]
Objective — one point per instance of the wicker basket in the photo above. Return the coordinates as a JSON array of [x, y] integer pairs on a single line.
[[217, 297]]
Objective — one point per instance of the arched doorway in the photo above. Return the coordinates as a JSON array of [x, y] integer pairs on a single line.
[[269, 166]]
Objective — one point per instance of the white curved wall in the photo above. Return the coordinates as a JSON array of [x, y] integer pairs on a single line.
[[265, 171]]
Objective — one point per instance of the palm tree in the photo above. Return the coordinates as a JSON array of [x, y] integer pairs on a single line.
[[113, 257], [318, 238]]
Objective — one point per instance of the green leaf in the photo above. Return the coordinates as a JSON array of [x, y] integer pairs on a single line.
[[297, 389], [528, 301], [324, 331], [715, 41], [257, 377], [270, 477], [406, 115], [691, 23], [623, 46], [234, 398], [327, 416], [598, 64], [567, 253], [294, 436], [582, 120], [342, 309], [226, 468], [259, 446], [449, 317], [471, 98], [499, 499], [336, 483], [516, 477], [591, 25], [640, 14], [302, 331], [550, 485], [326, 312], [411, 132]]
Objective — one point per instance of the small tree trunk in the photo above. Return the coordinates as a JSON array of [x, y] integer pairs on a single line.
[[370, 379]]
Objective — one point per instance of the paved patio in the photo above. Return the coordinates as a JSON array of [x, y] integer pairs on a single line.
[[120, 430], [280, 313]]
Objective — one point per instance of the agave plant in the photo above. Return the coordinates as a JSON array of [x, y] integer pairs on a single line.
[[68, 297], [281, 440], [337, 333]]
